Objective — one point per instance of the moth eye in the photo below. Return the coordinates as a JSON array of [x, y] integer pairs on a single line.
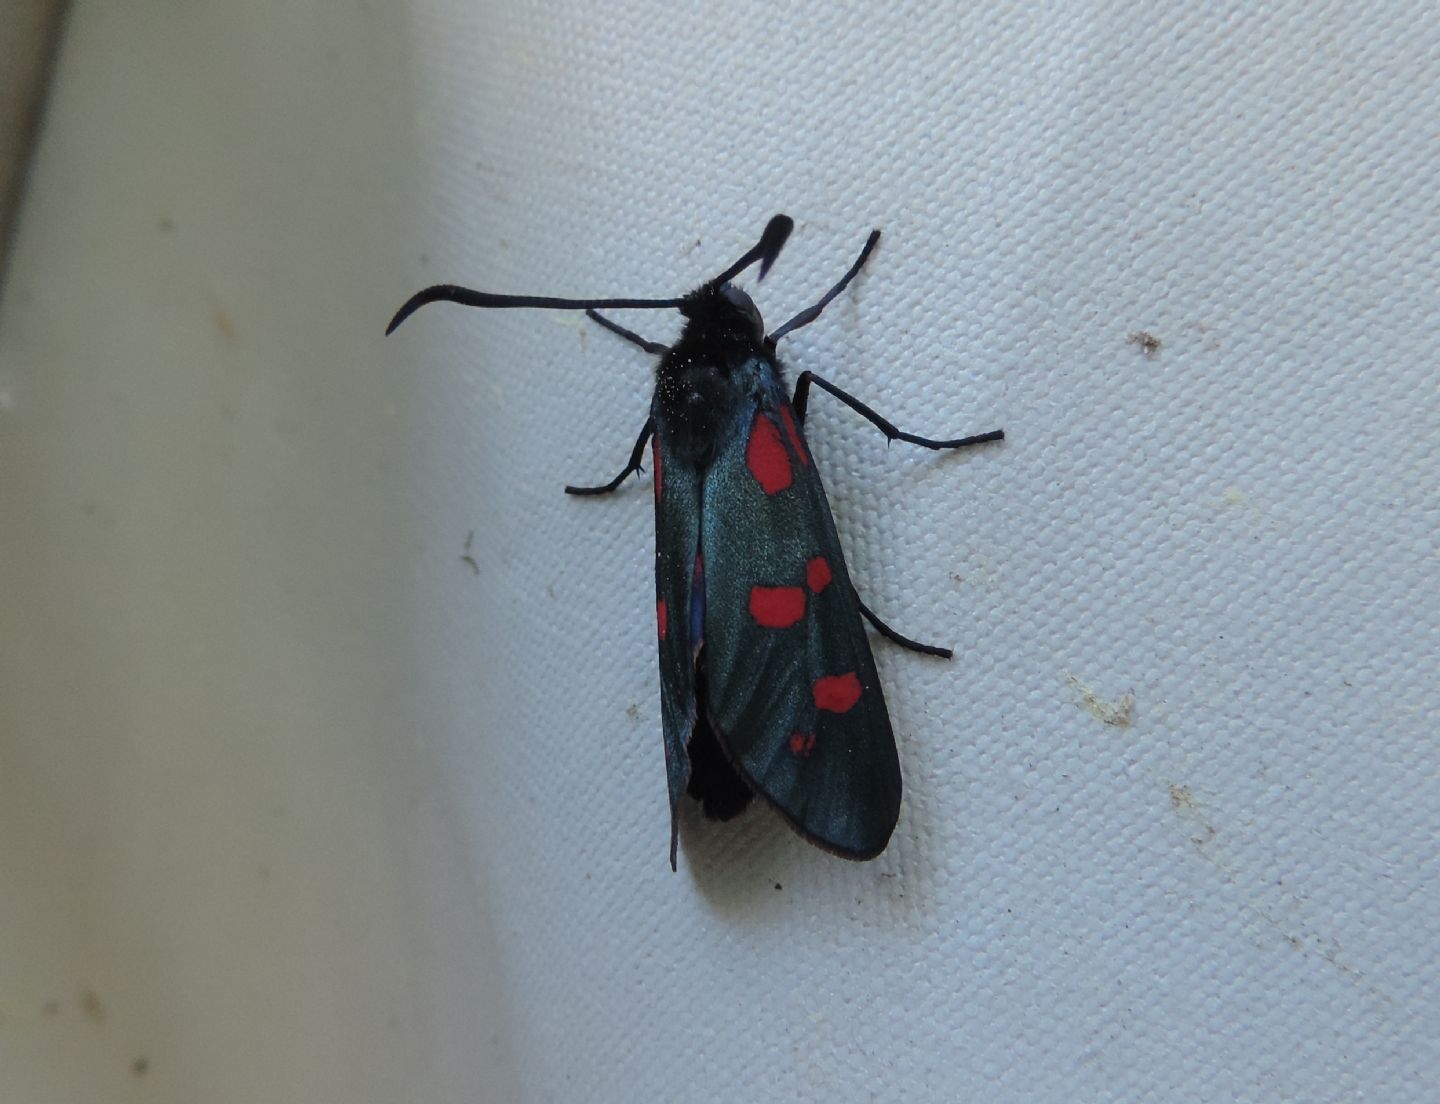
[[746, 306]]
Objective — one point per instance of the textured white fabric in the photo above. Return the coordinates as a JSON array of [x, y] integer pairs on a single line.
[[1171, 813], [1233, 896]]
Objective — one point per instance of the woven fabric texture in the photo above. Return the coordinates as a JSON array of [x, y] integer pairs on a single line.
[[1170, 818]]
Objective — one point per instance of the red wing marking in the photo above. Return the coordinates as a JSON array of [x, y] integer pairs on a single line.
[[766, 457], [793, 432], [662, 620], [776, 607], [836, 693], [817, 574], [655, 452], [802, 744]]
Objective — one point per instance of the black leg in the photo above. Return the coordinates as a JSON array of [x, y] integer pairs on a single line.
[[809, 314], [636, 454], [904, 641], [802, 397], [653, 347]]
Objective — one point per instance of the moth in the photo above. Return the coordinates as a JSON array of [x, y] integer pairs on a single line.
[[767, 682]]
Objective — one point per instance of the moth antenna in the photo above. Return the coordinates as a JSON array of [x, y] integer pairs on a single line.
[[469, 297], [809, 314], [772, 240], [765, 250]]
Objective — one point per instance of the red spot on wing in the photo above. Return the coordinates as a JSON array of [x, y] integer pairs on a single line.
[[793, 432], [802, 744], [817, 574], [776, 607], [662, 620], [655, 453], [836, 693], [766, 457]]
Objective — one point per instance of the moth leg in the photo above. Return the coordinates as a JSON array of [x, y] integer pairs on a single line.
[[904, 641], [809, 314], [636, 454], [802, 397], [652, 347]]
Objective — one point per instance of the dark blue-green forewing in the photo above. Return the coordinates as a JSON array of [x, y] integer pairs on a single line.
[[678, 487], [791, 686]]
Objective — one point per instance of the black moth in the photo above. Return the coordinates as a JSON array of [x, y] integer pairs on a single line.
[[767, 684]]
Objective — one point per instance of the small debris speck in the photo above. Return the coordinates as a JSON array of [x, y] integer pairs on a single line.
[[466, 557], [1148, 342], [1119, 713], [92, 1006], [1182, 798]]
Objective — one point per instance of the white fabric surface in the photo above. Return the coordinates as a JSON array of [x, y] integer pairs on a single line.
[[1171, 814]]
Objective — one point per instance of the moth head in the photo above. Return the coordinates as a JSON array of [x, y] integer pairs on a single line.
[[725, 311], [745, 307]]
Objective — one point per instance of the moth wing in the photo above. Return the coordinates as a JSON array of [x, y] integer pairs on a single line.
[[677, 545], [792, 690]]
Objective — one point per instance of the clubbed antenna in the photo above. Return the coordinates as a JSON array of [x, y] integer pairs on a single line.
[[765, 251]]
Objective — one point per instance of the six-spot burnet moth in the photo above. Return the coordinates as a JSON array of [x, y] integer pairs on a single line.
[[767, 684]]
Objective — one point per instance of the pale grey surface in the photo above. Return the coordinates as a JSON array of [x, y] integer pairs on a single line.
[[321, 814], [29, 30], [224, 848]]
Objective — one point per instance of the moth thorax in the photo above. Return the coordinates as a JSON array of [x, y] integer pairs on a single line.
[[698, 393]]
